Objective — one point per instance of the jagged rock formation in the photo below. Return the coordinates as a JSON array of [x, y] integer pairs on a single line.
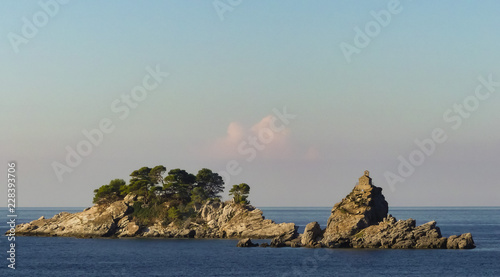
[[399, 234], [360, 220], [363, 207], [214, 220], [236, 221]]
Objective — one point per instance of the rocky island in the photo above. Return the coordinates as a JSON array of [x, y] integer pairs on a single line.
[[360, 220], [213, 220], [184, 206]]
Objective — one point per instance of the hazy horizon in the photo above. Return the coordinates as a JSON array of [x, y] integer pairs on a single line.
[[294, 98]]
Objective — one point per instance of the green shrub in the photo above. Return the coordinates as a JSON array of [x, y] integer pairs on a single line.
[[147, 214], [174, 213]]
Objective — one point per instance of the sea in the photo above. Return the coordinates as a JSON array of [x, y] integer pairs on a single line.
[[71, 257]]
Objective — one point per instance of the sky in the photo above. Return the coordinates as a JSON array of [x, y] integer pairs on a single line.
[[294, 98]]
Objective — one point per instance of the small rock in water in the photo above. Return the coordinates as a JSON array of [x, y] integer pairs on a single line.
[[246, 243]]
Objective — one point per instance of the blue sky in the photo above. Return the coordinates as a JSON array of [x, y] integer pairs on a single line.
[[225, 79]]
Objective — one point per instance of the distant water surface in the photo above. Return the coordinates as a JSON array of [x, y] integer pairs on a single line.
[[55, 256]]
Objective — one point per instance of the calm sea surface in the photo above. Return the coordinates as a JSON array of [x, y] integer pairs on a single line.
[[44, 256]]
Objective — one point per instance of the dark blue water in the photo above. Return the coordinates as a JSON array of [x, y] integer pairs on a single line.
[[47, 256]]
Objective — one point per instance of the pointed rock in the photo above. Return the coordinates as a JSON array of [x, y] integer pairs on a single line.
[[363, 207]]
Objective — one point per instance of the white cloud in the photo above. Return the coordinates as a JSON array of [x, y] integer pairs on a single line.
[[265, 139]]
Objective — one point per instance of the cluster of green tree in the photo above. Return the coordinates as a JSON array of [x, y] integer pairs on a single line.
[[180, 189], [177, 185]]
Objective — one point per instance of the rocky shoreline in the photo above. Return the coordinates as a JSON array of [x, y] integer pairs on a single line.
[[360, 220], [214, 220]]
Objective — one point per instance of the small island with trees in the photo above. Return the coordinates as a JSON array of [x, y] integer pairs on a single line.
[[182, 192], [178, 205]]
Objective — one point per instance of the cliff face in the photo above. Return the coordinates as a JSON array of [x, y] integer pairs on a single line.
[[214, 220]]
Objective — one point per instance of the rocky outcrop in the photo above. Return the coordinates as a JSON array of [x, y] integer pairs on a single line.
[[127, 228], [363, 207], [391, 233], [235, 221], [360, 220], [223, 220], [98, 221], [464, 241], [246, 243], [214, 220], [311, 234]]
